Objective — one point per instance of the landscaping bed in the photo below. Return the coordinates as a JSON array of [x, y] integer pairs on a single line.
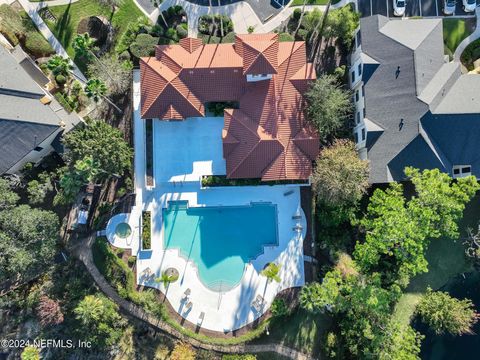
[[471, 54], [18, 28], [454, 31], [146, 230], [222, 180], [210, 29]]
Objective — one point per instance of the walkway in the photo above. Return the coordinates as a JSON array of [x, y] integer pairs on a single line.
[[472, 37], [32, 11], [82, 250]]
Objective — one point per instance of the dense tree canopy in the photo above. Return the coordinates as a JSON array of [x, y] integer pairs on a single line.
[[328, 106], [27, 238], [342, 23], [340, 178], [398, 230], [446, 314], [103, 144], [113, 72]]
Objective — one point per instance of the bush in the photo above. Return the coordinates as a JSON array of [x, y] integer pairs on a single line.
[[239, 357], [131, 260], [130, 34], [210, 24], [181, 32], [144, 45], [285, 37], [279, 307], [60, 79], [470, 54], [11, 24], [171, 33], [302, 34], [61, 99]]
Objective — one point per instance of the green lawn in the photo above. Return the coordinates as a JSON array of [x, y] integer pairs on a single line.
[[68, 17], [445, 258], [454, 31], [301, 330]]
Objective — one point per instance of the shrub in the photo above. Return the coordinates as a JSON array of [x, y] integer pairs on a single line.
[[146, 230], [279, 307], [49, 311], [60, 79], [182, 352], [181, 32], [124, 56], [131, 260], [302, 34], [470, 54], [171, 33], [36, 45], [239, 357], [157, 30], [208, 22], [285, 37], [128, 37], [144, 45]]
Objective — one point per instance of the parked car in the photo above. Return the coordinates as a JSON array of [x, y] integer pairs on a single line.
[[449, 7], [399, 7], [469, 5]]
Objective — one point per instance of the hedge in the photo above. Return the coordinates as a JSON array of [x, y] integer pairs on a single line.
[[146, 230], [144, 45], [37, 46], [222, 180]]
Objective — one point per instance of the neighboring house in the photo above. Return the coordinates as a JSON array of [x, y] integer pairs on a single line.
[[266, 136], [413, 106], [31, 121]]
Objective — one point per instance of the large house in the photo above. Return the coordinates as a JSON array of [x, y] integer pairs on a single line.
[[31, 121], [413, 106], [266, 135]]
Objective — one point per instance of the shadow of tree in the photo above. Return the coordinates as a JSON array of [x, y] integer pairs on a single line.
[[63, 27]]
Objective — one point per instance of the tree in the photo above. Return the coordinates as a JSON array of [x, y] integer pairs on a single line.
[[279, 307], [8, 198], [271, 272], [103, 144], [342, 24], [95, 89], [340, 178], [401, 343], [99, 320], [166, 279], [328, 107], [59, 66], [182, 352], [37, 189], [49, 311], [302, 13], [314, 297], [446, 314], [30, 353], [114, 73], [398, 231], [28, 238], [83, 45]]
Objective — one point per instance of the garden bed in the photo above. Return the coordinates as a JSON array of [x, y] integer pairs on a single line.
[[214, 29], [454, 31], [149, 151], [471, 54], [146, 230], [222, 180]]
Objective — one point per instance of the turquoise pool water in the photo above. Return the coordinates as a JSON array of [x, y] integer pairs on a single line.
[[220, 240]]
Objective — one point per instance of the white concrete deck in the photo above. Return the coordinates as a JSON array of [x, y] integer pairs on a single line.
[[227, 310]]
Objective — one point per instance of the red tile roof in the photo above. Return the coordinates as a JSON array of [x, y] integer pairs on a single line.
[[268, 136]]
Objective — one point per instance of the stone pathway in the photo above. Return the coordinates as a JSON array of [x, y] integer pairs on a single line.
[[32, 11], [472, 37], [82, 250]]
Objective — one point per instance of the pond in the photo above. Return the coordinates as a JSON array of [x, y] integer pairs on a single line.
[[455, 347]]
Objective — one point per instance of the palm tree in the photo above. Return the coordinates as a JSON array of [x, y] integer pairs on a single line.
[[301, 16], [95, 89], [59, 65], [271, 272], [89, 310], [83, 44]]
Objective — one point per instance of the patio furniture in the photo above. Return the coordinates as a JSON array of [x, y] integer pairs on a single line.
[[298, 227], [289, 192], [186, 294], [188, 307], [258, 303], [297, 215], [200, 319]]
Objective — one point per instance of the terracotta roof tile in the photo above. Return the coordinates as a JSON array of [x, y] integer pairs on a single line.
[[267, 137]]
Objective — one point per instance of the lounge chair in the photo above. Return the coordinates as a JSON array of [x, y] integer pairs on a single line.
[[186, 294], [188, 307], [200, 319]]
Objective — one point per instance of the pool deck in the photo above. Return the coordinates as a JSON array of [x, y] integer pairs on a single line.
[[182, 152]]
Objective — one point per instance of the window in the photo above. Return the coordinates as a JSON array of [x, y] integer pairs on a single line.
[[356, 137], [38, 148], [364, 113], [357, 96], [363, 90], [359, 38], [363, 134], [358, 117], [459, 171], [359, 69], [353, 77]]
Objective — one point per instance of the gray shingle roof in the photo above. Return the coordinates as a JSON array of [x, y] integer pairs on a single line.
[[419, 101], [24, 121]]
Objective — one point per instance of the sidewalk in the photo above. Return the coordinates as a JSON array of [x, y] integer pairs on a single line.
[[32, 11], [472, 37]]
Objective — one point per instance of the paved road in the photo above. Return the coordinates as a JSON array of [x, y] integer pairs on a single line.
[[425, 8]]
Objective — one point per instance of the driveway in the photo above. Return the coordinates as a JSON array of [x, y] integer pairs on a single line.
[[425, 8]]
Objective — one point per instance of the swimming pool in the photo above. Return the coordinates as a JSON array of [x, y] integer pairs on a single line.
[[220, 240]]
